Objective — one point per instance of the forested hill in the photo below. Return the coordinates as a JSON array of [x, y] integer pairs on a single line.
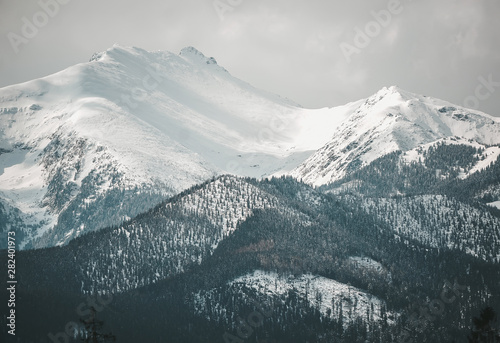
[[334, 266]]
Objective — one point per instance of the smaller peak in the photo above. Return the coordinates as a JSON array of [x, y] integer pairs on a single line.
[[114, 48], [128, 49], [388, 96], [390, 89], [96, 56], [395, 91], [118, 47], [189, 50], [383, 92]]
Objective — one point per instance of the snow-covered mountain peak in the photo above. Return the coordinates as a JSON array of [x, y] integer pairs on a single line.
[[189, 50], [131, 119], [388, 98], [394, 89], [96, 56], [393, 119], [112, 51], [388, 90], [194, 54]]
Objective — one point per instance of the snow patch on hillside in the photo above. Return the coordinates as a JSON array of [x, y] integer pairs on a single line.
[[486, 158], [494, 204], [330, 297], [490, 155]]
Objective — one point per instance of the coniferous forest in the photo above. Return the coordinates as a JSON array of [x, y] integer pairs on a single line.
[[393, 252]]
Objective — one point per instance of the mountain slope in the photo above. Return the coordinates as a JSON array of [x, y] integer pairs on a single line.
[[137, 122], [439, 194], [197, 262]]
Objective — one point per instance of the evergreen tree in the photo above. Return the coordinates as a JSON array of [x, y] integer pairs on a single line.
[[484, 330], [93, 329]]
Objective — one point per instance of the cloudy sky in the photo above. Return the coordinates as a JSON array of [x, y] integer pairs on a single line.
[[320, 53]]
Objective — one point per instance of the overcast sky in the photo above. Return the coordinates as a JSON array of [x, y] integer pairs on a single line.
[[318, 53]]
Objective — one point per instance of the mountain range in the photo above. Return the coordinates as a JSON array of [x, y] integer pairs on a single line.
[[164, 181]]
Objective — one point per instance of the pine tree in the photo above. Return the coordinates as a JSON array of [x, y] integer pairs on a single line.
[[93, 329]]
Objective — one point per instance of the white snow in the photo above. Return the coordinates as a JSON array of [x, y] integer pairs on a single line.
[[325, 294], [495, 204], [22, 187], [490, 155]]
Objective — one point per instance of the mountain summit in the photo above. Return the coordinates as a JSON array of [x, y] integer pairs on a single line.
[[190, 52], [131, 127], [393, 119]]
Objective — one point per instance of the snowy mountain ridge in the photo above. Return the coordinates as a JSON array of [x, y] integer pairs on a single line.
[[131, 127], [139, 122], [391, 120]]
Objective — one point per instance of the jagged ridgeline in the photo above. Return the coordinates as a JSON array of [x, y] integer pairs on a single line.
[[314, 266]]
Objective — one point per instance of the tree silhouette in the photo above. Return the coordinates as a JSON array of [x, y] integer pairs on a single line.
[[484, 330], [93, 329]]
